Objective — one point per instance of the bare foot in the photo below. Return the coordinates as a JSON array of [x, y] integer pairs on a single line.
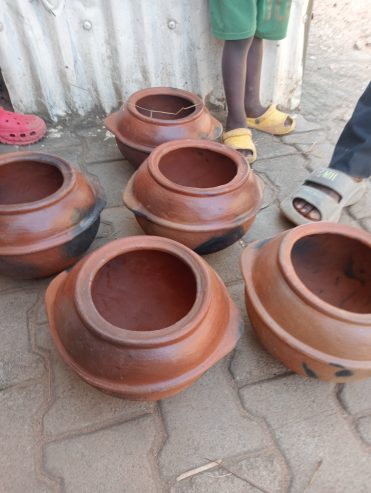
[[307, 210]]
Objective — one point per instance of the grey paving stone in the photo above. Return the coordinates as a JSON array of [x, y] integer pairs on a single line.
[[18, 445], [304, 125], [111, 460], [319, 152], [302, 140], [366, 224], [251, 362], [113, 177], [78, 406], [356, 397], [123, 222], [206, 422], [364, 428], [362, 209], [269, 146], [100, 146], [226, 262], [323, 453], [265, 472], [268, 223], [287, 173], [17, 363]]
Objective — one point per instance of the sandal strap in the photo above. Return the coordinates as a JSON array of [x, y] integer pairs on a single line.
[[239, 138], [324, 203], [335, 180]]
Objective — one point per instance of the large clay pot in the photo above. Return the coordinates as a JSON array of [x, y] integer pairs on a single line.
[[49, 214], [142, 317], [308, 295], [157, 115], [199, 193]]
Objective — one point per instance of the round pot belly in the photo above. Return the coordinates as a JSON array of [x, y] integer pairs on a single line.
[[141, 318], [157, 115], [199, 193], [308, 297], [49, 214]]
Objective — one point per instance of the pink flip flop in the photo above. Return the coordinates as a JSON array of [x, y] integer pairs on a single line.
[[19, 129]]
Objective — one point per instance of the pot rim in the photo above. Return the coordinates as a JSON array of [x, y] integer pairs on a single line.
[[300, 289], [112, 120], [101, 327], [243, 169], [246, 262], [67, 171], [131, 104]]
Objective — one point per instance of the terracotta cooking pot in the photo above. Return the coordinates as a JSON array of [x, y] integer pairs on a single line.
[[157, 115], [199, 193], [308, 295], [142, 317], [49, 214]]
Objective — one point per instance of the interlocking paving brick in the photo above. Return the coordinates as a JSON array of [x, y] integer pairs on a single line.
[[364, 428], [287, 173], [76, 405], [17, 363], [304, 125], [356, 396], [113, 177], [264, 472], [227, 262], [322, 451], [18, 444], [116, 459], [268, 223], [206, 422], [269, 146], [251, 363]]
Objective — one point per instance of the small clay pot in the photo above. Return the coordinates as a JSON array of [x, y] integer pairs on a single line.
[[308, 295], [157, 115], [49, 214], [142, 317], [199, 193]]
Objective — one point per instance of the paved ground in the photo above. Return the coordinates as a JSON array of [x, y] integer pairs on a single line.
[[271, 430]]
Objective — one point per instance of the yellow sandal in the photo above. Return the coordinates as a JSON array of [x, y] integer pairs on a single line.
[[272, 122], [241, 140]]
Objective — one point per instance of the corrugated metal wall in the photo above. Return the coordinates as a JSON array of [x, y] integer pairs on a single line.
[[83, 55]]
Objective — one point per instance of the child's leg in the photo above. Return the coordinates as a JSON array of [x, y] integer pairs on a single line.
[[253, 107], [234, 80]]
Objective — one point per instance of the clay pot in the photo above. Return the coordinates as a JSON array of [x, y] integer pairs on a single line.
[[199, 193], [142, 317], [157, 115], [49, 214], [308, 295]]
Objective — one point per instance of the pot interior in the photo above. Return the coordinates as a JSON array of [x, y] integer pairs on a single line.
[[144, 290], [165, 106], [197, 167], [28, 181], [335, 268]]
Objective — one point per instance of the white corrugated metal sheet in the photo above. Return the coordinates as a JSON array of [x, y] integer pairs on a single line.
[[82, 55]]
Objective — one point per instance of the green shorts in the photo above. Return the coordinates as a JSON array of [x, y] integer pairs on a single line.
[[241, 19]]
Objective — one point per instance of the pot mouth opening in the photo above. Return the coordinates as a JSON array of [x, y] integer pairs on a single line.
[[165, 107], [144, 290], [336, 269], [28, 181], [197, 167]]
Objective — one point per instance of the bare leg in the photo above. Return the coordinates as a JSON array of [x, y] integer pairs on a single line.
[[253, 107], [234, 80]]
